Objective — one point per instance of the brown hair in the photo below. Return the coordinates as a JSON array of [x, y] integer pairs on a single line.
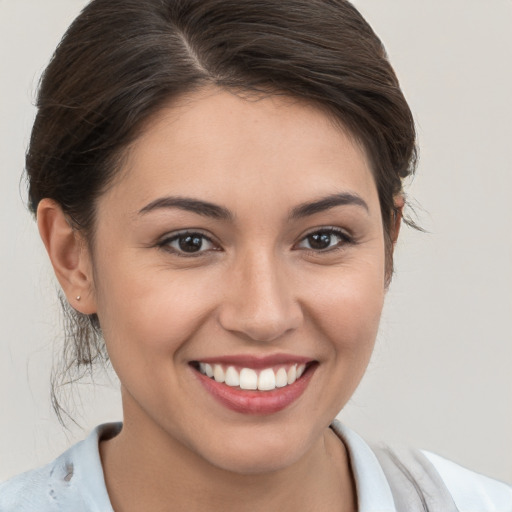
[[122, 60]]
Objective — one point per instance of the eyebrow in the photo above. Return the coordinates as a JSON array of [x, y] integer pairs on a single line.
[[207, 209], [198, 206], [326, 203]]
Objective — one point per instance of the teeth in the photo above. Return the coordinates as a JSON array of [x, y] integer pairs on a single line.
[[208, 370], [248, 379], [292, 374], [281, 378], [218, 373], [232, 377], [267, 379]]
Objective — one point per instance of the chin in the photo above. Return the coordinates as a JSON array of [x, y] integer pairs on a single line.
[[262, 462], [257, 454]]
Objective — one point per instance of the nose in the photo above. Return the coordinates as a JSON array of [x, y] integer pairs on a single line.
[[259, 302]]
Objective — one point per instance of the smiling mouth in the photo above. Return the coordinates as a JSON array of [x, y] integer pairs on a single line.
[[255, 385], [250, 379]]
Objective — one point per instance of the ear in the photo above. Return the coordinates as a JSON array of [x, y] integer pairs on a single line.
[[69, 255], [398, 208], [396, 222]]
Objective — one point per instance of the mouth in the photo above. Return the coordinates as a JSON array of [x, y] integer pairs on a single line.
[[265, 379], [254, 386]]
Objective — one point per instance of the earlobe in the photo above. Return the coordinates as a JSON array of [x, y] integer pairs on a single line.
[[68, 254], [398, 207]]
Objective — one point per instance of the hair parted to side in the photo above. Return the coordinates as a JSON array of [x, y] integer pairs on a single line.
[[122, 60]]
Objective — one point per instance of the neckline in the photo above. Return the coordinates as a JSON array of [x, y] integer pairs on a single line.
[[372, 489]]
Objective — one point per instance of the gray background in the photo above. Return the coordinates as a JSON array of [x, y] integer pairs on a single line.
[[440, 378]]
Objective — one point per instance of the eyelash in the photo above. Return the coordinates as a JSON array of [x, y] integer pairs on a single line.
[[345, 239]]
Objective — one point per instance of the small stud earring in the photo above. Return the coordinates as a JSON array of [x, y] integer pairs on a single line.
[[78, 297]]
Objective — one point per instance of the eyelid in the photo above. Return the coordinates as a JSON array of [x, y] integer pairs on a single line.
[[186, 231], [328, 228]]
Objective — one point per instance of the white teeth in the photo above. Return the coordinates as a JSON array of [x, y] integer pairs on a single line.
[[208, 370], [232, 377], [248, 379], [292, 374], [267, 380], [281, 378], [218, 373]]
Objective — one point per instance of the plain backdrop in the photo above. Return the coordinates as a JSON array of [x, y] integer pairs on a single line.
[[440, 378]]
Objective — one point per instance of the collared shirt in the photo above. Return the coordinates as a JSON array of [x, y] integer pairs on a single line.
[[75, 482]]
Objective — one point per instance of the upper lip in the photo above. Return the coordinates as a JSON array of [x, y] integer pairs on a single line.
[[256, 361]]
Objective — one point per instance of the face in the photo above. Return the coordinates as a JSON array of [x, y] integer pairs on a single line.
[[243, 238]]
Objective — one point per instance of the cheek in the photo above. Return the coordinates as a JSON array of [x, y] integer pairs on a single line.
[[346, 305], [151, 310]]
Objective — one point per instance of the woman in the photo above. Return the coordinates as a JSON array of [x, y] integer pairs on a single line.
[[219, 189]]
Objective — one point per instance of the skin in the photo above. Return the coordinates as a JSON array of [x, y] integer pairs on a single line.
[[259, 288]]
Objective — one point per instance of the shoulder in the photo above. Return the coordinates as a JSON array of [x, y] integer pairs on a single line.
[[422, 477], [39, 489], [395, 479], [73, 481], [471, 491]]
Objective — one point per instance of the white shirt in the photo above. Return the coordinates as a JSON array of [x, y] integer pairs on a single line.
[[74, 482]]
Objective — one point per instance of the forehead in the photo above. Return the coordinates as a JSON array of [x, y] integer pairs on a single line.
[[223, 146]]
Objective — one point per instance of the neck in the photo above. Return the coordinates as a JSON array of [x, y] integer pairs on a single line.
[[147, 469]]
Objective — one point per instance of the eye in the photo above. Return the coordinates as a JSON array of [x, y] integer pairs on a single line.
[[326, 240], [188, 243]]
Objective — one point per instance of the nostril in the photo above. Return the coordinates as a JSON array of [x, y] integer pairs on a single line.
[[259, 329]]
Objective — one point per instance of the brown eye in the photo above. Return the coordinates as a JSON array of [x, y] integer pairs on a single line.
[[190, 243], [187, 244], [325, 240], [320, 240]]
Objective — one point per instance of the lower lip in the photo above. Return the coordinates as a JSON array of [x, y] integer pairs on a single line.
[[256, 402]]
